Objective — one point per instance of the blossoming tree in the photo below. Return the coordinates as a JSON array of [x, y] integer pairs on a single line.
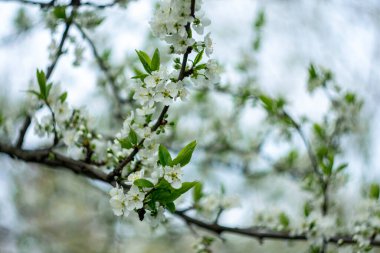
[[143, 152]]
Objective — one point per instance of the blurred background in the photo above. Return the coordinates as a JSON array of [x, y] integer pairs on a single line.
[[44, 210]]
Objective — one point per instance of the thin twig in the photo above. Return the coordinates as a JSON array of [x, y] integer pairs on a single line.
[[49, 71]]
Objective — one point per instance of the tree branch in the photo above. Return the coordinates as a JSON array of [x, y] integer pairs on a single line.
[[261, 233], [49, 71], [55, 160], [52, 3]]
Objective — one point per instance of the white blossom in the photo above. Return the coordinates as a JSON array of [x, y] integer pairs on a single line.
[[135, 198], [117, 201], [173, 175]]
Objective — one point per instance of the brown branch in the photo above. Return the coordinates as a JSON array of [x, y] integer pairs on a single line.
[[52, 3], [24, 128], [55, 160], [261, 233], [49, 71]]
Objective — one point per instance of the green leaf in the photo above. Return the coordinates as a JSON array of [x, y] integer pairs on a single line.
[[341, 167], [155, 60], [145, 60], [186, 186], [143, 183], [132, 136], [374, 191], [313, 74], [165, 193], [63, 97], [198, 58], [141, 77], [197, 192], [267, 102], [41, 78], [164, 156], [327, 169], [184, 156], [307, 209], [201, 66], [260, 20], [125, 143], [283, 219], [35, 93], [60, 12], [48, 88], [170, 206]]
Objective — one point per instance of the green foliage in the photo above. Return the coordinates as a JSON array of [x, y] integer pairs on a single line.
[[198, 58], [258, 25], [129, 142], [197, 192], [272, 105], [145, 60], [260, 20], [144, 183], [155, 64], [284, 220], [149, 64], [164, 156], [374, 191], [318, 77], [165, 194], [184, 156], [44, 88], [22, 21], [2, 119], [63, 97], [132, 137], [59, 12]]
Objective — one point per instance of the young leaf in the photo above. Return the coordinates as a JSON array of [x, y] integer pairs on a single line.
[[374, 191], [185, 187], [41, 78], [143, 183], [141, 77], [132, 136], [201, 66], [197, 192], [156, 60], [165, 193], [125, 143], [184, 156], [60, 12], [63, 97], [170, 206], [35, 93], [145, 60], [164, 156], [283, 219], [267, 102], [48, 88], [341, 167], [260, 20], [198, 58]]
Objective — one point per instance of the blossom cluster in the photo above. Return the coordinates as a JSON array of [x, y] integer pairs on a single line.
[[70, 126], [154, 169], [171, 23]]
